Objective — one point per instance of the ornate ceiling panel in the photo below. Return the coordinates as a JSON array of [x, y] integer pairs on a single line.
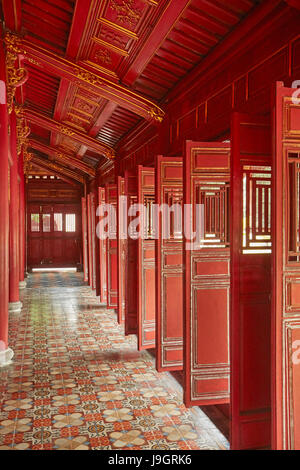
[[97, 68], [201, 27]]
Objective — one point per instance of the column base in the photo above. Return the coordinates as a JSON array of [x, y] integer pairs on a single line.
[[15, 307], [22, 284], [6, 357]]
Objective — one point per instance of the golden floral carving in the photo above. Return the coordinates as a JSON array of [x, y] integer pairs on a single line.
[[103, 56], [157, 114], [15, 76], [66, 131], [27, 162], [88, 77]]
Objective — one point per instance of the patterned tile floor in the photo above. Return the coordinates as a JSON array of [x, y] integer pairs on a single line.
[[78, 383]]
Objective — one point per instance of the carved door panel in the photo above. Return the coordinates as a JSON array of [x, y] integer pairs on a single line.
[[131, 280], [112, 248], [102, 251], [286, 272], [169, 264], [250, 281], [206, 277], [146, 261], [84, 239], [122, 246]]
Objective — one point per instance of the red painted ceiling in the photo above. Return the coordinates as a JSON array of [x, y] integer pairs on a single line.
[[146, 46]]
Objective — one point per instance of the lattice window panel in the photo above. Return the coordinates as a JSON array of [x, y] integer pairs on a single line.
[[214, 196], [256, 209]]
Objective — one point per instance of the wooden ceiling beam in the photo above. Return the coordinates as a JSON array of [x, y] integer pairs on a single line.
[[158, 34], [80, 18], [62, 157], [69, 131], [43, 168], [61, 171], [68, 69]]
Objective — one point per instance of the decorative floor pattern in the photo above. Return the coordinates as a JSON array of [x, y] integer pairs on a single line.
[[78, 383]]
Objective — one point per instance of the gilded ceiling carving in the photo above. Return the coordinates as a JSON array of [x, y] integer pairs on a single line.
[[16, 76], [103, 56], [126, 11]]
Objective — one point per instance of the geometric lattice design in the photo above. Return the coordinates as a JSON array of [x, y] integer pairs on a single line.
[[256, 209], [214, 196], [294, 209]]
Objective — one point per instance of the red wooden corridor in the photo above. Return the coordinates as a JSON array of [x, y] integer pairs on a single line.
[[153, 146]]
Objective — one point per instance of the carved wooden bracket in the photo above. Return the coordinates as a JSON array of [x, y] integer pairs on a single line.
[[15, 76]]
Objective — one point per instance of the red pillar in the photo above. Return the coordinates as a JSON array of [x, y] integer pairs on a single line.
[[5, 352], [22, 206], [14, 297]]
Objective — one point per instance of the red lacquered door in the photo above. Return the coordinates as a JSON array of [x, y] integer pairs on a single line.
[[90, 242], [54, 233], [206, 276], [286, 272], [131, 279], [250, 282], [146, 261], [112, 248], [169, 264], [102, 249], [122, 244], [93, 239], [84, 239]]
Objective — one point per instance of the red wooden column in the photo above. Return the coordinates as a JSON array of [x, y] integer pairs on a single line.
[[14, 297], [89, 233], [6, 353], [84, 239], [22, 208]]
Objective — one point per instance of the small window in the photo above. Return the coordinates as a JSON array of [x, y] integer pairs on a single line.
[[70, 223], [58, 223], [46, 222], [35, 222]]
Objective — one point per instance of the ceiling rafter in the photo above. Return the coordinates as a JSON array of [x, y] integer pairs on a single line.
[[162, 28], [82, 76], [57, 169], [62, 157], [69, 131]]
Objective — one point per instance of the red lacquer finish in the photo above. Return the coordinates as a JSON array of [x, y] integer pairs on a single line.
[[206, 276], [84, 239], [93, 240], [49, 242], [146, 261], [4, 210], [14, 235], [22, 209], [131, 298], [286, 272], [102, 250], [112, 249], [250, 282], [169, 265], [122, 245]]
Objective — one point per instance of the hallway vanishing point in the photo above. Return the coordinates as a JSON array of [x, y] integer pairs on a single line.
[[76, 382]]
